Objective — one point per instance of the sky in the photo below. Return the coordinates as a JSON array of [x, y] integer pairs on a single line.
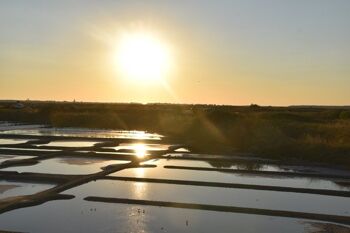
[[268, 52]]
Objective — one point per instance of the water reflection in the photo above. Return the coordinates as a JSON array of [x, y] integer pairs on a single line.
[[4, 188], [246, 198], [4, 158], [67, 165], [137, 219], [76, 216], [215, 164], [182, 150], [259, 166], [28, 149], [243, 166], [83, 132], [80, 161], [12, 141], [214, 176], [140, 172], [10, 189], [318, 227], [8, 126], [140, 150], [71, 143], [139, 190]]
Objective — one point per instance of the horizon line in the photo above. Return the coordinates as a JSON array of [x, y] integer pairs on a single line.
[[171, 103]]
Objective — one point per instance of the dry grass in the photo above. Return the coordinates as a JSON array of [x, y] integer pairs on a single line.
[[317, 134]]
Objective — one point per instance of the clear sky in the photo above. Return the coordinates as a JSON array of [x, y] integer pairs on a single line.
[[269, 52]]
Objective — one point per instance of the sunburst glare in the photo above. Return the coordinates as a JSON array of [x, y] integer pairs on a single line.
[[142, 56]]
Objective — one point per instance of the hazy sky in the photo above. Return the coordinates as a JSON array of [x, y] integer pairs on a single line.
[[226, 52]]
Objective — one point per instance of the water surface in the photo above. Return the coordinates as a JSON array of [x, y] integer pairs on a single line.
[[77, 215], [12, 189], [4, 157], [83, 132], [29, 149], [6, 141], [140, 146], [211, 164], [8, 126], [67, 165], [224, 177], [70, 143], [261, 199]]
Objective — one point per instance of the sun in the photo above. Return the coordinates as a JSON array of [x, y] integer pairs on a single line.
[[142, 57]]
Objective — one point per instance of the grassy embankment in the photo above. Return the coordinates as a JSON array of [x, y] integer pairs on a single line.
[[314, 134]]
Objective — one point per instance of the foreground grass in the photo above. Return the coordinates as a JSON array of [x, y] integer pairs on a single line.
[[313, 134]]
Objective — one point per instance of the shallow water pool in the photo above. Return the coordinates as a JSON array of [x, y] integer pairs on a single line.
[[67, 166], [77, 215]]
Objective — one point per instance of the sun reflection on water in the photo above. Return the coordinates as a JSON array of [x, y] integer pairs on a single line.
[[140, 190], [140, 172], [140, 150]]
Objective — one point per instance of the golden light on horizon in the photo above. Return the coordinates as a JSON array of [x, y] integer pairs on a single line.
[[142, 57]]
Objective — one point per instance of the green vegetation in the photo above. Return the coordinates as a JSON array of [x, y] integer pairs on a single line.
[[320, 134]]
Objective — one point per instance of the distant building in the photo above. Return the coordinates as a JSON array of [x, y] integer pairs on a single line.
[[18, 105]]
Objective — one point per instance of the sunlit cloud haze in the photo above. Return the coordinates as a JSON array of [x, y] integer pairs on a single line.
[[221, 52]]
